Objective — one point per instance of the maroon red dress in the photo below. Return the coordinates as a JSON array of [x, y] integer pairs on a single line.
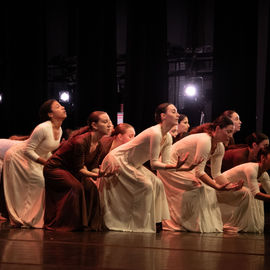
[[234, 157], [72, 200]]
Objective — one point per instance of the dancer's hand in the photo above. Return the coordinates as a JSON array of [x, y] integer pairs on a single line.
[[194, 164], [236, 186], [231, 186], [108, 172], [181, 160]]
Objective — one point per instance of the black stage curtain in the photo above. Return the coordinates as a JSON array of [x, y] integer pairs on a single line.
[[22, 66], [264, 88], [35, 32], [146, 63], [266, 111], [97, 59], [235, 62]]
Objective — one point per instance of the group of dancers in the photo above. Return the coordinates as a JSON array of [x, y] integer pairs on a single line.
[[98, 180]]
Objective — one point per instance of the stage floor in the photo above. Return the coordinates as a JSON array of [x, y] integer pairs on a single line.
[[39, 249]]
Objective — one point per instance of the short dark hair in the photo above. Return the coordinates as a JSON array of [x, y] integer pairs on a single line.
[[94, 118], [45, 109], [256, 137], [181, 117], [161, 108], [222, 121]]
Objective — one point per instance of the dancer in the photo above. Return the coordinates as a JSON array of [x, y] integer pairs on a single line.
[[23, 168], [72, 200], [134, 199], [234, 116], [242, 210], [5, 144], [192, 194], [182, 128], [121, 134], [245, 153]]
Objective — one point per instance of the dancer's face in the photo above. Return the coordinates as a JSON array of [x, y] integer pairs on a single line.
[[183, 126], [104, 124], [57, 111], [237, 122], [128, 135], [224, 134], [171, 116]]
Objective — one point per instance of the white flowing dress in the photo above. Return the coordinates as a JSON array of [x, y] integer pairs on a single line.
[[5, 144], [135, 199], [193, 205], [23, 177], [240, 210]]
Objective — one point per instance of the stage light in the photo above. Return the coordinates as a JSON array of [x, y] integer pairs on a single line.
[[191, 90], [1, 97], [64, 96]]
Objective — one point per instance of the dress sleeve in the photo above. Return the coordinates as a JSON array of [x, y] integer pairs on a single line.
[[80, 148], [202, 151], [166, 150], [155, 141], [265, 181], [216, 160], [252, 181], [37, 136]]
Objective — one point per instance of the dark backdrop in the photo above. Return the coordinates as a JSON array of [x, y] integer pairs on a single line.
[[22, 66], [146, 70], [32, 34], [235, 62]]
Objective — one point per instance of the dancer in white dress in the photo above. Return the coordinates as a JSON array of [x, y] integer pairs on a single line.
[[23, 168], [134, 200], [242, 210], [5, 144], [192, 194]]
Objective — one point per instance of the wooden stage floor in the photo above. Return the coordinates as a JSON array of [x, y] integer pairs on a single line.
[[33, 249]]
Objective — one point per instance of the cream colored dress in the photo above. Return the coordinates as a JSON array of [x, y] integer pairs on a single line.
[[193, 205], [5, 144], [23, 177], [135, 199], [240, 210]]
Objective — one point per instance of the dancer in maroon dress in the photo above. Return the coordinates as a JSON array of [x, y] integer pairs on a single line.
[[72, 200]]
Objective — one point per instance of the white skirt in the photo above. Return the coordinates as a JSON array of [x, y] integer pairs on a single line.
[[193, 205], [134, 200]]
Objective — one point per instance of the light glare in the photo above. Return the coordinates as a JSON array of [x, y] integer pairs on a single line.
[[64, 96], [190, 90]]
